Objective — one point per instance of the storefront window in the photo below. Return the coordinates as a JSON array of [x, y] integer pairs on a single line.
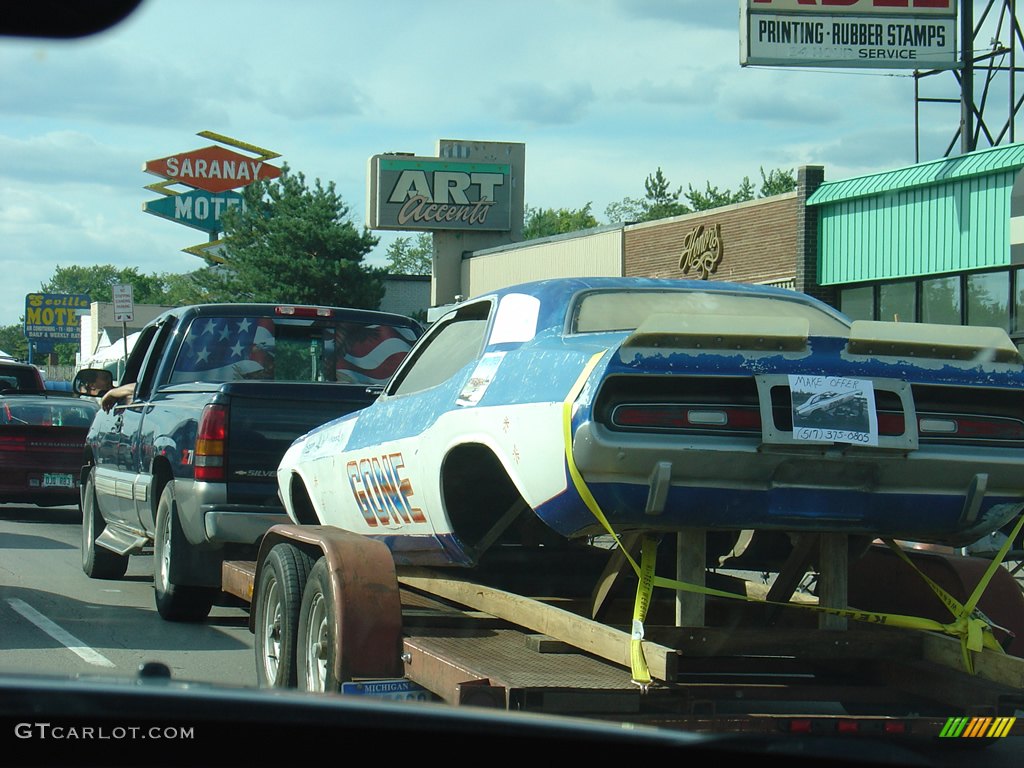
[[988, 299], [858, 303], [1018, 323], [897, 302], [940, 300]]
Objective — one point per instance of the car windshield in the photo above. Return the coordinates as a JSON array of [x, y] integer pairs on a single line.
[[47, 413], [459, 363]]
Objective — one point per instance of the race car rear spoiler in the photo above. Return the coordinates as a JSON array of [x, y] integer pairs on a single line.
[[940, 342], [720, 332]]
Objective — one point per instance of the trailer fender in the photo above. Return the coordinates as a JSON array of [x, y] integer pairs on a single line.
[[364, 592]]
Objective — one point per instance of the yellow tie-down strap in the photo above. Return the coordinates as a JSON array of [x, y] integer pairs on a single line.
[[971, 626]]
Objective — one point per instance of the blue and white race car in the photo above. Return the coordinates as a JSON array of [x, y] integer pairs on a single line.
[[528, 414]]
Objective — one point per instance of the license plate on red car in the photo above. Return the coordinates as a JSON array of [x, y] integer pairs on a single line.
[[58, 480]]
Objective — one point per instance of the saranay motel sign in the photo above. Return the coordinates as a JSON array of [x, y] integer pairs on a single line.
[[430, 193], [885, 34]]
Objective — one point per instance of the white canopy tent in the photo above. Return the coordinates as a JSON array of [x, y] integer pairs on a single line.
[[111, 354]]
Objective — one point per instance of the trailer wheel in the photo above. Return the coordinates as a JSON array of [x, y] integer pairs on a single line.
[[279, 597], [175, 602], [317, 644], [97, 562]]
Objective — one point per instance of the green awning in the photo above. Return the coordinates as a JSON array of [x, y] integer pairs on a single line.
[[938, 171]]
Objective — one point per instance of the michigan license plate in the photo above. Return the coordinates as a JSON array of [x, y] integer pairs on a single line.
[[58, 480], [395, 690]]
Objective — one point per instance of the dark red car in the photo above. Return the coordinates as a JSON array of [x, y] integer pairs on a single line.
[[19, 377], [41, 442]]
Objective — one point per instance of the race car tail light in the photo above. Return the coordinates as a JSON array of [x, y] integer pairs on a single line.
[[212, 434], [969, 416], [713, 406], [687, 417], [971, 427]]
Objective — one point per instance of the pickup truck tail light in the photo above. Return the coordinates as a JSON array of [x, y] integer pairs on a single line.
[[209, 455]]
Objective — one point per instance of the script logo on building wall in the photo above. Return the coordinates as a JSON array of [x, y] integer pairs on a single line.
[[702, 250], [429, 193]]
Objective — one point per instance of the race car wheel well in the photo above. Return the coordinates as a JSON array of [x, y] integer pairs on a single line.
[[302, 505], [477, 492]]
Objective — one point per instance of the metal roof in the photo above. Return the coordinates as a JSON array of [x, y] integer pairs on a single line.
[[947, 169]]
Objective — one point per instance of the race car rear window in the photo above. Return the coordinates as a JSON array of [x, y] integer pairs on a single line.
[[606, 311]]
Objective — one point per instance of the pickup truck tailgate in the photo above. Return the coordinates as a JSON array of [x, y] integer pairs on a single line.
[[263, 422]]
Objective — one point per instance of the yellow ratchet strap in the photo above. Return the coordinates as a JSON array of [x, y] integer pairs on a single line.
[[969, 624], [973, 629]]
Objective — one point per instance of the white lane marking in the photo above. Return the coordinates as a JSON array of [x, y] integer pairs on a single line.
[[60, 634]]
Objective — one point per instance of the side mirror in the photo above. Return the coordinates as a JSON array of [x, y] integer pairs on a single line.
[[92, 382]]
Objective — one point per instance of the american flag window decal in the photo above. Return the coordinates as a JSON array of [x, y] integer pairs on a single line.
[[218, 349]]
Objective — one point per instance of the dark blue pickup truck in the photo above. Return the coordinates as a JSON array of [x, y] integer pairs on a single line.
[[187, 463]]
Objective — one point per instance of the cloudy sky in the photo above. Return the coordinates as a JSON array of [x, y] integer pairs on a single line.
[[602, 92]]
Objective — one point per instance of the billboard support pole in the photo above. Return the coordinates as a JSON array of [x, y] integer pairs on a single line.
[[967, 140]]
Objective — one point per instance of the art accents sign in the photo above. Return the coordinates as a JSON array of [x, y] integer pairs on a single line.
[[702, 250], [426, 193], [888, 34]]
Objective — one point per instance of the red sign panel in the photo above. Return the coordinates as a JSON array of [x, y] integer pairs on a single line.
[[213, 168]]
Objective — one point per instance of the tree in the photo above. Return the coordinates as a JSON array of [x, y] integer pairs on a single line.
[[294, 243], [13, 341], [776, 182], [713, 197], [544, 222], [408, 258], [98, 281], [659, 202]]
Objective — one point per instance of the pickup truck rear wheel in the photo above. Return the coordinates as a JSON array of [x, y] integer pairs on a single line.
[[316, 642], [278, 600], [175, 602], [97, 562]]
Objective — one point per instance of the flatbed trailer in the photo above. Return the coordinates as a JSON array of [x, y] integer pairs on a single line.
[[444, 634]]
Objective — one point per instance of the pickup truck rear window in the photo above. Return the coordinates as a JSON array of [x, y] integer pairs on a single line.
[[217, 349]]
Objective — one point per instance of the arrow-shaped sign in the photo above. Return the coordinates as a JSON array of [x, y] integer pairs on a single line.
[[197, 209], [212, 168]]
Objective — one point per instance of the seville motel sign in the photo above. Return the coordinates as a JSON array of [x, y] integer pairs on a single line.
[[873, 34]]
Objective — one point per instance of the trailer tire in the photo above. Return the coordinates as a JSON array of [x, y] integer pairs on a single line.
[[283, 577], [175, 602], [317, 643], [97, 562]]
